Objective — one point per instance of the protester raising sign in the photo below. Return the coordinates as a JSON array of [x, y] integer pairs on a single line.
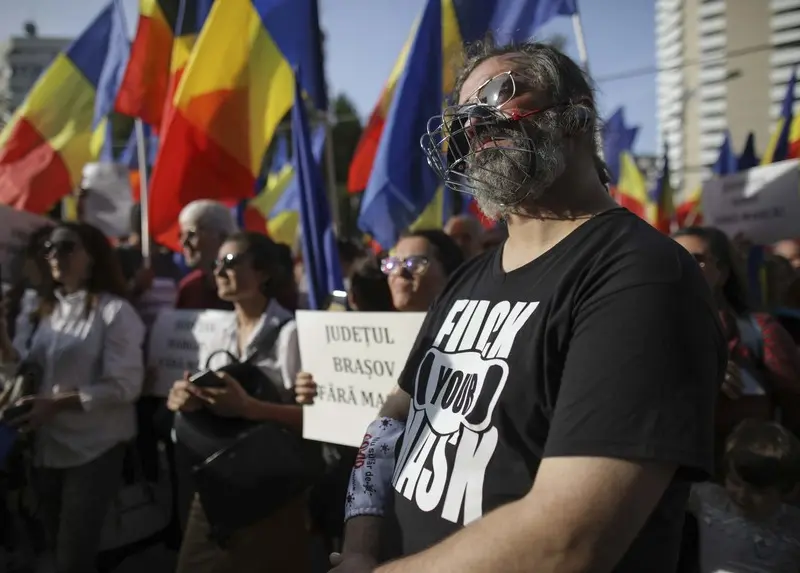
[[178, 339], [762, 203], [356, 359]]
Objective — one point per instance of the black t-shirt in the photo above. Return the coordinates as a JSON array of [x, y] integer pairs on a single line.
[[607, 345]]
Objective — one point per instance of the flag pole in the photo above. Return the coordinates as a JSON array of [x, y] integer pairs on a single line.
[[144, 192], [583, 56], [330, 168], [580, 41]]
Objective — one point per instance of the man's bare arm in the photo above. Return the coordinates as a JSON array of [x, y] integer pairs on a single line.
[[581, 516], [362, 533], [396, 405]]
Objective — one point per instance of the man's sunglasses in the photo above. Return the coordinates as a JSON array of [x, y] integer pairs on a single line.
[[497, 91]]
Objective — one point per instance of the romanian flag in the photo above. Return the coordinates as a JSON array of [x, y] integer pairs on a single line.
[[470, 207], [617, 138], [780, 145], [191, 19], [632, 186], [164, 37], [320, 252], [63, 122], [399, 186], [690, 212], [236, 88], [465, 21], [253, 214], [727, 161], [749, 159], [130, 157], [660, 208], [283, 217]]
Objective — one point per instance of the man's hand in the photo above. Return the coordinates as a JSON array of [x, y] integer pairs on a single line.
[[352, 563]]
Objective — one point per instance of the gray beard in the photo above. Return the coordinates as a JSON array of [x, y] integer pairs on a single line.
[[503, 181]]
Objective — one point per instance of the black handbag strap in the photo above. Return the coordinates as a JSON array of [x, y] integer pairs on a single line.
[[266, 343]]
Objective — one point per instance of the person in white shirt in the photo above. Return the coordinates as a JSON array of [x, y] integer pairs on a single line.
[[88, 348], [250, 273], [745, 524]]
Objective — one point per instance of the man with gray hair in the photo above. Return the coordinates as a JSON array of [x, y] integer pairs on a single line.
[[559, 399], [204, 225], [467, 232]]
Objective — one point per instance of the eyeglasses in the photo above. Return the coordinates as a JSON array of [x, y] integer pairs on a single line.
[[496, 91], [415, 264], [58, 249], [187, 235], [227, 262]]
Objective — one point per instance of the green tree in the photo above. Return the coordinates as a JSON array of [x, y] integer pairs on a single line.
[[345, 136]]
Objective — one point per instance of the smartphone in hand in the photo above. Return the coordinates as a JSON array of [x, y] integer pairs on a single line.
[[206, 379], [14, 412]]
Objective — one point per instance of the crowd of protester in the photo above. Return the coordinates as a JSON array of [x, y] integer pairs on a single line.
[[90, 421]]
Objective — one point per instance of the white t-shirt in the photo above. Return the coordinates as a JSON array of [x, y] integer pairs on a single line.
[[732, 543]]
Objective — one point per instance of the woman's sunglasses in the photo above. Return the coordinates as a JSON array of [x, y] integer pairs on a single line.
[[227, 262], [415, 264], [58, 249]]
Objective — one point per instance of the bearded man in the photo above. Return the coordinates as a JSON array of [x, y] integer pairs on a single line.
[[558, 402]]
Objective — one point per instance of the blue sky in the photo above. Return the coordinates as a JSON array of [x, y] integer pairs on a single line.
[[365, 37]]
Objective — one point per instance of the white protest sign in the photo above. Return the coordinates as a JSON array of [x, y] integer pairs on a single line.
[[15, 227], [161, 295], [356, 359], [179, 340], [762, 203]]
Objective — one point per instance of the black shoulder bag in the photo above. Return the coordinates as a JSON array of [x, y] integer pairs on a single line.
[[243, 470]]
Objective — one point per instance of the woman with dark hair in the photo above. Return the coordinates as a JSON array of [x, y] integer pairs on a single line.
[[250, 273], [419, 266], [764, 362], [369, 287], [87, 358], [416, 272]]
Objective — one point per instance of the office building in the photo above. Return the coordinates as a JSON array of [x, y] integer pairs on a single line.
[[22, 60], [723, 64]]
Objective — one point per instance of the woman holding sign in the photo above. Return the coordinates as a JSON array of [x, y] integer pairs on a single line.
[[243, 517]]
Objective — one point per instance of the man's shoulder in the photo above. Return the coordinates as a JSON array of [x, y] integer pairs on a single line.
[[625, 252]]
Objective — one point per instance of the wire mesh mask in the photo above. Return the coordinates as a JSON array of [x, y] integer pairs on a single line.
[[456, 140]]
